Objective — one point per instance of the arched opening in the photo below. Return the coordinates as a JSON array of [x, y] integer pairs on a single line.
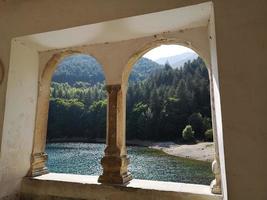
[[71, 113], [77, 115], [179, 95], [115, 160]]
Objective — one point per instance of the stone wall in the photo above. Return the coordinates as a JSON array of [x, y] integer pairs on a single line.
[[62, 186]]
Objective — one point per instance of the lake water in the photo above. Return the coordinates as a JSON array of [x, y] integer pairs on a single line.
[[145, 163]]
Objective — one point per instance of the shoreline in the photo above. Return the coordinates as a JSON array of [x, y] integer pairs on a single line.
[[100, 141], [202, 151]]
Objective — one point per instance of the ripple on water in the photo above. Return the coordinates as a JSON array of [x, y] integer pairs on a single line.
[[145, 163]]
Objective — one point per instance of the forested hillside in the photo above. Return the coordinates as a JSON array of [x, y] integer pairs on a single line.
[[161, 101], [86, 69]]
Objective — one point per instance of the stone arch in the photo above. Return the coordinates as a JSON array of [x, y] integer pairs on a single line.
[[151, 45], [53, 62], [205, 55], [39, 157]]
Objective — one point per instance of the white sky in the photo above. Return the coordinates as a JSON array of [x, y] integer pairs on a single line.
[[166, 51]]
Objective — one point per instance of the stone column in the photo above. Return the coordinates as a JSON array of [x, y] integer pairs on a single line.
[[115, 161], [216, 183], [39, 157]]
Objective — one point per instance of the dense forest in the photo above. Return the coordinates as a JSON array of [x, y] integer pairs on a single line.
[[163, 103]]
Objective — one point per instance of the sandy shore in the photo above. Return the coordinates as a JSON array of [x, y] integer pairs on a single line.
[[203, 151]]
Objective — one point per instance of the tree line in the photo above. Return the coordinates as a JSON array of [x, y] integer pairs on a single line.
[[163, 104]]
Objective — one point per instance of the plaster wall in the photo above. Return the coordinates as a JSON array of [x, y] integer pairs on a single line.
[[216, 106], [117, 58], [241, 52], [19, 118]]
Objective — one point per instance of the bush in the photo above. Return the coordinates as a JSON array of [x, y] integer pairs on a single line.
[[209, 135], [196, 121], [188, 134]]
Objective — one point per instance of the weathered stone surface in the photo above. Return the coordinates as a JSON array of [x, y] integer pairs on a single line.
[[216, 183], [115, 161], [115, 170], [38, 165], [67, 186], [39, 157]]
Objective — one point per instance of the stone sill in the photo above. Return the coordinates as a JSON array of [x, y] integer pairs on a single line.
[[70, 186]]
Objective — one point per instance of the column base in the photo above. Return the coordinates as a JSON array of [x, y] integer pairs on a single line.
[[115, 170], [115, 179], [215, 188], [38, 165], [216, 183]]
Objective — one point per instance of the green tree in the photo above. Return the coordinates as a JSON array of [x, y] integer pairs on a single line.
[[209, 135], [196, 121], [188, 134], [161, 100]]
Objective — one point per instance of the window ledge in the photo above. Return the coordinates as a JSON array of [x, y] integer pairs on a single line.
[[64, 186]]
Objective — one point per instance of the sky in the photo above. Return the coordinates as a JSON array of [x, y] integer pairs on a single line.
[[166, 51]]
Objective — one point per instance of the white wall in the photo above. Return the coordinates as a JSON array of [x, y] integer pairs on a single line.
[[217, 103], [19, 118]]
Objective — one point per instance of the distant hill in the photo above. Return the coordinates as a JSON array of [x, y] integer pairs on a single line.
[[159, 107], [178, 60], [143, 68], [83, 68], [79, 68], [86, 69]]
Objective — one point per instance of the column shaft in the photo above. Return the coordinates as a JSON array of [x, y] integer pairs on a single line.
[[115, 161], [216, 183]]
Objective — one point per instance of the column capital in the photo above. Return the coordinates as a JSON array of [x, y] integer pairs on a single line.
[[113, 88]]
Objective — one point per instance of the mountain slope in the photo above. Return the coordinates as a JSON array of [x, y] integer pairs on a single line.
[[79, 68], [177, 60], [83, 68], [143, 68]]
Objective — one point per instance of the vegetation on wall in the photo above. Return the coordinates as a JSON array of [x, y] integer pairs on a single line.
[[161, 101]]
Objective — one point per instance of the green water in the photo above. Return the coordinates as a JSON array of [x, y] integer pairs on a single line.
[[145, 163]]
